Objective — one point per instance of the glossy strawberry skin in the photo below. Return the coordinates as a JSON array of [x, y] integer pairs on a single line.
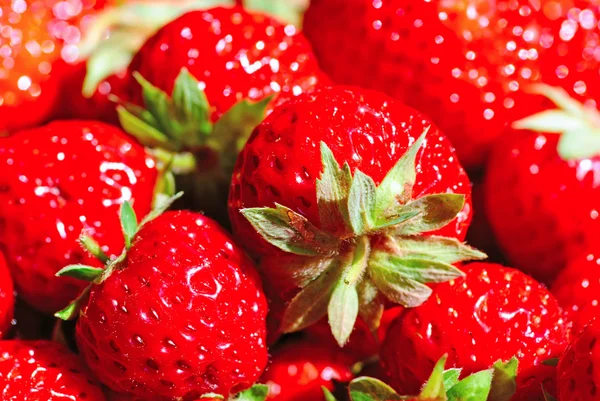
[[7, 298], [38, 39], [56, 181], [554, 217], [578, 376], [577, 288], [493, 313], [299, 369], [182, 316], [467, 60], [254, 55], [44, 371], [370, 131]]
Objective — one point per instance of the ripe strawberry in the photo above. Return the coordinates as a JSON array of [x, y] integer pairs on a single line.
[[348, 240], [299, 369], [465, 59], [541, 186], [7, 298], [44, 370], [216, 64], [38, 39], [55, 181], [179, 315], [490, 315], [577, 288], [578, 377]]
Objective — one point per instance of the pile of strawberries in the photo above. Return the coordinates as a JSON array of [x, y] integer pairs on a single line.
[[203, 200]]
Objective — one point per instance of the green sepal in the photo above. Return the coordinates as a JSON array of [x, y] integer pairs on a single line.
[[295, 269], [80, 272], [129, 223], [370, 389], [451, 377], [437, 249], [333, 188], [90, 245], [396, 187], [160, 207], [475, 387], [311, 303], [361, 203], [290, 231], [327, 394], [431, 212], [71, 311], [578, 125], [371, 305], [257, 392], [504, 384], [434, 388]]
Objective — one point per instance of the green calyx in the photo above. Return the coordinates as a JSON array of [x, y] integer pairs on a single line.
[[442, 385], [578, 125], [369, 245], [178, 129], [94, 275], [117, 34], [257, 392]]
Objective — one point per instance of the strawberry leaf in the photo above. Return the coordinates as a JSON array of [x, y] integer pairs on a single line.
[[327, 394], [434, 387], [421, 270], [396, 287], [290, 231], [361, 203], [258, 392], [311, 303], [451, 377], [140, 124], [90, 245], [343, 311], [504, 384], [432, 212], [472, 388], [72, 310], [370, 389], [333, 189], [396, 187], [80, 272], [158, 103], [296, 269], [191, 105], [160, 207], [129, 223], [436, 248], [371, 305]]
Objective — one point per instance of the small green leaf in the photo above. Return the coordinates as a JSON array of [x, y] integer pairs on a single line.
[[397, 288], [437, 248], [361, 203], [311, 303], [473, 388], [295, 269], [161, 206], [80, 272], [159, 104], [327, 394], [451, 377], [333, 189], [432, 213], [579, 143], [139, 127], [128, 223], [550, 121], [370, 389], [290, 231], [434, 387], [72, 310], [191, 105], [258, 392], [371, 305], [343, 311], [504, 384], [396, 187], [392, 219], [90, 245]]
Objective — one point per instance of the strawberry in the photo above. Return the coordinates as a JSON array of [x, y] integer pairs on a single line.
[[221, 66], [343, 239], [465, 59], [490, 315], [299, 369], [576, 288], [541, 183], [7, 298], [44, 370], [55, 181], [578, 377], [179, 315], [38, 40]]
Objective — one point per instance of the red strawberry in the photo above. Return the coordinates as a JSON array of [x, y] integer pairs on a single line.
[[214, 63], [578, 376], [7, 298], [56, 181], [44, 370], [541, 187], [349, 238], [299, 369], [38, 38], [577, 289], [181, 314], [490, 315], [463, 63]]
